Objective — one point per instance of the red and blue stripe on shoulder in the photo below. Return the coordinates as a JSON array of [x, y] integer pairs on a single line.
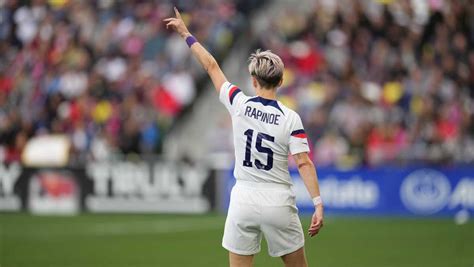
[[299, 133], [234, 90]]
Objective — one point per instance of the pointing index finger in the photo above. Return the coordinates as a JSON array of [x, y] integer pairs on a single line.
[[177, 13]]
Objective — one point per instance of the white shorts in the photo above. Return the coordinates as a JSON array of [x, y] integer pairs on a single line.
[[267, 208]]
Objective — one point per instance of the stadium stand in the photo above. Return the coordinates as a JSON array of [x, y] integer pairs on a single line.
[[374, 83], [106, 73], [379, 84]]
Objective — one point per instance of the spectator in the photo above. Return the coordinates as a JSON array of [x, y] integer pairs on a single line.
[[394, 80], [106, 73]]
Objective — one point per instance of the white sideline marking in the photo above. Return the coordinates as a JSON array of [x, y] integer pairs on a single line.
[[161, 226], [148, 227]]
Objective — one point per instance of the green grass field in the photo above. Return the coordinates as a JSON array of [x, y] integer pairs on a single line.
[[172, 240]]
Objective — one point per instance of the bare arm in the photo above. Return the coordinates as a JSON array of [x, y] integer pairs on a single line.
[[207, 61], [308, 174]]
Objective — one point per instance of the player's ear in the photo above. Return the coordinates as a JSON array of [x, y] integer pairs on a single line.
[[280, 83], [254, 82]]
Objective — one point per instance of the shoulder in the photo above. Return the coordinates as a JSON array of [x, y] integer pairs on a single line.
[[229, 93], [290, 114]]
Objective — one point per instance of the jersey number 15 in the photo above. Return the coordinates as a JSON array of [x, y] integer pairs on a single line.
[[260, 148]]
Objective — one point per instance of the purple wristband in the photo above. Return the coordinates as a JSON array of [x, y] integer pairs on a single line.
[[190, 40]]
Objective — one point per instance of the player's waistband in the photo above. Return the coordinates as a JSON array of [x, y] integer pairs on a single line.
[[257, 185]]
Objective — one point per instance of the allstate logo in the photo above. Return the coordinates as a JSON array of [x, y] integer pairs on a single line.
[[425, 191]]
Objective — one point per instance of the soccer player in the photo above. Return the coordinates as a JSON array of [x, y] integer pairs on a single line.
[[265, 131]]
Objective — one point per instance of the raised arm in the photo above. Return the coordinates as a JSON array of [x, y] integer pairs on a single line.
[[308, 174], [207, 61]]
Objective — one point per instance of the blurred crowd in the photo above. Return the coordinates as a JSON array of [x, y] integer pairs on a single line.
[[374, 81], [377, 82], [107, 73]]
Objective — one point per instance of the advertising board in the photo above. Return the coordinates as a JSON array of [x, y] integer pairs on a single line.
[[405, 191], [149, 187]]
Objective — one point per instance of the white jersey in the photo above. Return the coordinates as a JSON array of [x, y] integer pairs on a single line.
[[265, 132]]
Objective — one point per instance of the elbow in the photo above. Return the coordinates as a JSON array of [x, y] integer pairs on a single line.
[[305, 163], [212, 65]]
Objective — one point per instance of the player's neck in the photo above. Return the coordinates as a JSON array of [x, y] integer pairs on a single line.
[[266, 93]]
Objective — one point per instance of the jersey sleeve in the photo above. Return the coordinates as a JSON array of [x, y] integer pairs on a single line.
[[298, 142], [231, 96]]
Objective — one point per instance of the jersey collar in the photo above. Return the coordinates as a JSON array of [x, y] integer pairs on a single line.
[[266, 102]]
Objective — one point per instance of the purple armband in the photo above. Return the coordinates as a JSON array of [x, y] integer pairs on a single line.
[[190, 40]]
